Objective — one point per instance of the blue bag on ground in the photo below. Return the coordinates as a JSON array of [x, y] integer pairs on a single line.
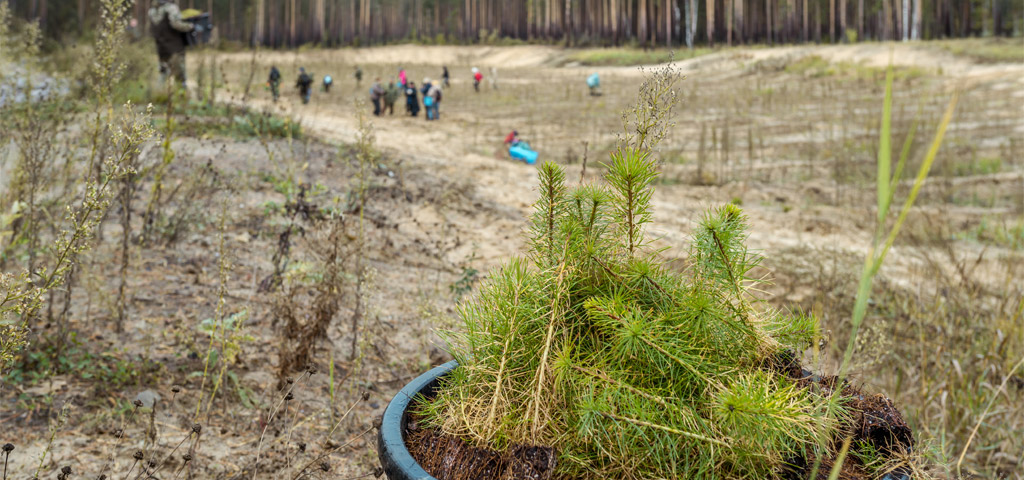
[[593, 81], [521, 151]]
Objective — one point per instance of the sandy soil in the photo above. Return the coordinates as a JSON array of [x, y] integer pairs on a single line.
[[463, 145]]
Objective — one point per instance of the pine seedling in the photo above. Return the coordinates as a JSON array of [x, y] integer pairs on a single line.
[[592, 346]]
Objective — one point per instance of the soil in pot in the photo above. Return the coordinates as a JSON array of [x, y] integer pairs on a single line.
[[450, 458]]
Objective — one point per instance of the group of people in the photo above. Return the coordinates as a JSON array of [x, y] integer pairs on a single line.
[[385, 96], [304, 84]]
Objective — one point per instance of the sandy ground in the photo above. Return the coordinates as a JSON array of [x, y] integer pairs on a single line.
[[454, 149]]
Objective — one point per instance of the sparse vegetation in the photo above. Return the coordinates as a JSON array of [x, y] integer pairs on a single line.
[[627, 57], [984, 50]]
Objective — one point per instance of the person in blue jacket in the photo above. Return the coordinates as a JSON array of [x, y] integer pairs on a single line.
[[412, 101]]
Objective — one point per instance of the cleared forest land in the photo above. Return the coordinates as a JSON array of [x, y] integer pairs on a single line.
[[789, 133]]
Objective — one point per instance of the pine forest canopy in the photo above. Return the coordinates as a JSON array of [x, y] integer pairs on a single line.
[[671, 23]]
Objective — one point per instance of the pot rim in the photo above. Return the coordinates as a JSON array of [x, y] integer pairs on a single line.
[[398, 463]]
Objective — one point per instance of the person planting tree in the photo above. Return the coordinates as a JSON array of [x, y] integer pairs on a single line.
[[412, 102], [477, 78], [305, 85], [274, 82], [377, 96], [169, 31], [391, 96]]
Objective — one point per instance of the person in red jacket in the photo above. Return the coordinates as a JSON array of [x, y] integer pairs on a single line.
[[477, 77], [512, 138]]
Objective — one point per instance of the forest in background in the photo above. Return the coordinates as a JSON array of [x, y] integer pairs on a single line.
[[648, 23]]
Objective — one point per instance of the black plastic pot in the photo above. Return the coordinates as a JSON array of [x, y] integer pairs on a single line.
[[394, 457]]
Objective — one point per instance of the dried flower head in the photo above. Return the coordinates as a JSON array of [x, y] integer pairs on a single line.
[[138, 455]]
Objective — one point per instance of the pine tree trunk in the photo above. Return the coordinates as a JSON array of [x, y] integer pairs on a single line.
[[688, 17], [791, 20], [740, 23], [887, 11], [768, 19], [641, 22], [291, 23], [257, 24], [729, 12], [860, 20], [842, 21], [668, 22], [817, 22], [832, 21], [806, 25], [710, 6], [905, 20], [915, 28]]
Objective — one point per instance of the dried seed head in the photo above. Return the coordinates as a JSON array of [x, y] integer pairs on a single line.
[[366, 396], [302, 446], [152, 464], [289, 396], [187, 457], [311, 369], [102, 477], [118, 432], [66, 470], [137, 403], [290, 381], [8, 447], [197, 428], [175, 388], [138, 455], [377, 472], [325, 466]]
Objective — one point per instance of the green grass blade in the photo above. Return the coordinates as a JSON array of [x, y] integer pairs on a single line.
[[922, 173], [885, 152], [840, 459], [904, 155]]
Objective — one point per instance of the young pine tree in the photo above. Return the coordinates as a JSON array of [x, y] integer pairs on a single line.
[[591, 345]]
